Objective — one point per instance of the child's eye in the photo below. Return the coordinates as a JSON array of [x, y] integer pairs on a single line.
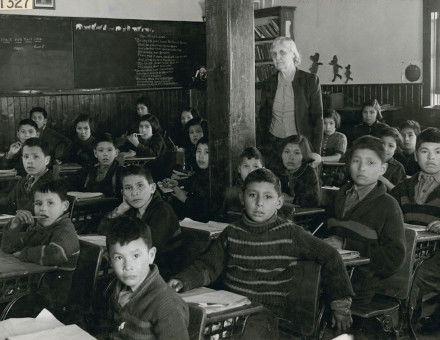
[[251, 195], [371, 162], [117, 258], [268, 197], [136, 256]]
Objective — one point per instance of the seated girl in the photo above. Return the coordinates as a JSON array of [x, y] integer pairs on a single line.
[[193, 200], [178, 135], [371, 120], [299, 181], [334, 143], [81, 149], [148, 142], [195, 129]]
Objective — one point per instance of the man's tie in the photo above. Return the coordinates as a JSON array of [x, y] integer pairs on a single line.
[[28, 184]]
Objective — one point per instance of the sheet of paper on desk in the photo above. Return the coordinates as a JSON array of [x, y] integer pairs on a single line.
[[6, 217], [84, 195], [217, 300], [348, 254], [8, 172], [20, 326], [95, 239], [70, 332]]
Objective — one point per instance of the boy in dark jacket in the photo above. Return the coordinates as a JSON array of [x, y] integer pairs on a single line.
[[35, 160], [419, 198], [256, 256], [366, 219], [141, 200], [50, 239], [143, 306]]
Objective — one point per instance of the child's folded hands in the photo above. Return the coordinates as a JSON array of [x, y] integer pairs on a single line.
[[177, 285], [434, 227]]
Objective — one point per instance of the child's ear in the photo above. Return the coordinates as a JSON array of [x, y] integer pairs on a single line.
[[65, 204], [241, 196], [280, 201], [151, 255], [117, 151], [46, 160], [95, 153], [383, 168], [153, 187]]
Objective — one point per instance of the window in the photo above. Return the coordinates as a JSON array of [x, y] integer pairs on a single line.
[[435, 59]]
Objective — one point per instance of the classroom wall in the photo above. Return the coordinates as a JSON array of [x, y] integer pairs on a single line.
[[378, 38], [175, 10]]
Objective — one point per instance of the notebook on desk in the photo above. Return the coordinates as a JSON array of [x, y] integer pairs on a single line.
[[348, 254], [213, 301], [212, 227], [84, 195]]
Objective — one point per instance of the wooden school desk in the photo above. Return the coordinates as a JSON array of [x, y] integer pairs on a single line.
[[19, 278], [137, 160], [427, 242], [66, 169]]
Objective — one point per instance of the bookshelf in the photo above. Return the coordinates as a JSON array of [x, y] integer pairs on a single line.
[[270, 23]]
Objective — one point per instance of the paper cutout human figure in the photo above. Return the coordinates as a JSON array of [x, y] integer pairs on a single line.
[[315, 65], [348, 73], [336, 68]]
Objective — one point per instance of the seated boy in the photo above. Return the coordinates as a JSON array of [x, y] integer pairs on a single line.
[[409, 129], [56, 141], [256, 255], [48, 239], [27, 128], [142, 305], [104, 176], [419, 198], [367, 219], [141, 200], [35, 159]]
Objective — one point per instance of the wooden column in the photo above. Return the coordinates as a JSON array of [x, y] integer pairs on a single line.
[[230, 86]]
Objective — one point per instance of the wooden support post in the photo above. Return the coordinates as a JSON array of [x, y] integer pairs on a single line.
[[230, 86]]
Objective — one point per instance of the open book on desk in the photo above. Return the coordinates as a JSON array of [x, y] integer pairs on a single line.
[[211, 227], [214, 301], [348, 254]]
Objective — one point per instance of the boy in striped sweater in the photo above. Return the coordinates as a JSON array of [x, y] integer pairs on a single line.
[[48, 238], [419, 197], [256, 255]]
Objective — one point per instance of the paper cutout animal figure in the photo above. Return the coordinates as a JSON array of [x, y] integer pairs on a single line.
[[348, 73], [336, 68], [315, 65]]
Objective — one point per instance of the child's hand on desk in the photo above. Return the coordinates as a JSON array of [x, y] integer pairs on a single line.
[[21, 217], [13, 149], [334, 241], [133, 139], [434, 227], [315, 159], [121, 209], [179, 194], [170, 183], [177, 285]]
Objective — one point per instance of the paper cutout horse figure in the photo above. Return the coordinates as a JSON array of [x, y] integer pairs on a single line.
[[315, 65], [348, 73]]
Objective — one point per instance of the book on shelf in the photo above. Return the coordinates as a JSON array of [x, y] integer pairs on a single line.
[[213, 301], [270, 30]]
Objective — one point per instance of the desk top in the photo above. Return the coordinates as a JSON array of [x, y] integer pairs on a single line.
[[96, 200], [10, 266], [308, 211], [99, 240], [422, 234], [358, 261], [212, 228]]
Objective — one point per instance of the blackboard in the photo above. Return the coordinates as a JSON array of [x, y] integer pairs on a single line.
[[135, 53], [35, 53], [52, 53]]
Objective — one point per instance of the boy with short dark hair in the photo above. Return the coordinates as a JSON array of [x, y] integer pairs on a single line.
[[367, 219], [143, 306], [142, 200], [26, 129], [35, 159], [419, 198], [56, 141], [409, 129], [104, 176], [249, 160], [47, 239], [256, 255]]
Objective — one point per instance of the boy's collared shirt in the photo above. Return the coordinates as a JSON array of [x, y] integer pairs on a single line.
[[32, 179], [425, 186], [356, 194]]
